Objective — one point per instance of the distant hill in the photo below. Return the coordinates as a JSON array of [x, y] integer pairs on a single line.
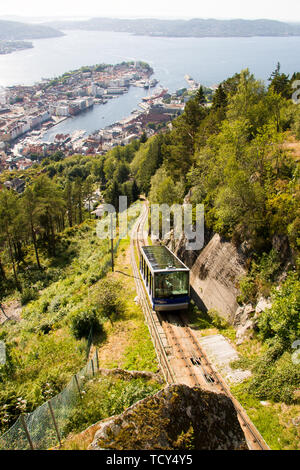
[[14, 30], [185, 28]]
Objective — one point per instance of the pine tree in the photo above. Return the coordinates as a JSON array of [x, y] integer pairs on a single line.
[[219, 98], [200, 96], [134, 191], [30, 211], [8, 208], [280, 83]]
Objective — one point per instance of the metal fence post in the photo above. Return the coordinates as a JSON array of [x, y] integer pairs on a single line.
[[26, 432], [111, 242], [93, 371], [76, 380], [97, 359], [54, 422]]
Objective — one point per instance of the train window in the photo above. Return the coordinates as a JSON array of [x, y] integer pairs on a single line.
[[171, 284]]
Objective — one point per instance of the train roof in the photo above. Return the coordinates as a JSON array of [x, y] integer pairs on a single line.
[[161, 258]]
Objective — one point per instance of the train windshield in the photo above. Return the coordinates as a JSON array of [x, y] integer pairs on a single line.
[[168, 285]]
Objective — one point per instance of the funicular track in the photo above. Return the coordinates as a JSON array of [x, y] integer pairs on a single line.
[[178, 349]]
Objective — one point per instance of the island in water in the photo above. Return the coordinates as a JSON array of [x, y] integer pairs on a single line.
[[7, 47]]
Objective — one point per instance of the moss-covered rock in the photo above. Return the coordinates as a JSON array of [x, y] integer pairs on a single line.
[[177, 417]]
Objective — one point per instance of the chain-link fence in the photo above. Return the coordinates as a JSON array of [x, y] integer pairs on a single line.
[[45, 427]]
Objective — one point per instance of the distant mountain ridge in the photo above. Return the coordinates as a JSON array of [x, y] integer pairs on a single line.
[[14, 30], [185, 28]]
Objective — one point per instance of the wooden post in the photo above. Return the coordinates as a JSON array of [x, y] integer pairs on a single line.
[[112, 242], [26, 432], [54, 422], [76, 380]]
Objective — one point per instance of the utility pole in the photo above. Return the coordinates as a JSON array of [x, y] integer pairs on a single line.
[[112, 242]]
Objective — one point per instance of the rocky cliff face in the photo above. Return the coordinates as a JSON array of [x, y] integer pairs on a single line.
[[215, 272], [178, 417]]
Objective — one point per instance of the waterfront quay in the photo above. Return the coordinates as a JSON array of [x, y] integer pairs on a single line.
[[27, 112], [47, 104]]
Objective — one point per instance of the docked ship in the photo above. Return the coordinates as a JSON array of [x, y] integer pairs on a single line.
[[151, 83], [159, 94], [191, 82]]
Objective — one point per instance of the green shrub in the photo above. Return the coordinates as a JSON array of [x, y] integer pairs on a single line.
[[108, 299], [216, 320], [249, 290], [283, 319], [106, 397], [83, 321], [28, 294], [93, 278], [277, 381], [259, 278]]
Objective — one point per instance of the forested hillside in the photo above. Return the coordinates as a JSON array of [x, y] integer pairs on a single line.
[[13, 30], [239, 157], [196, 27]]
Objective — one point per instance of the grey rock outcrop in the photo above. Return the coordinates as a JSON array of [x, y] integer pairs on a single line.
[[262, 305], [245, 319], [177, 417], [215, 275]]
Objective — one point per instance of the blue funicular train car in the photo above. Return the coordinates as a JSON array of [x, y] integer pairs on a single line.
[[166, 278]]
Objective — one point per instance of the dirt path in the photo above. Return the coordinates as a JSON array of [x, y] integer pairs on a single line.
[[12, 311]]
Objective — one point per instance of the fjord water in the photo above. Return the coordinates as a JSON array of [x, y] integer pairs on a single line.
[[207, 60]]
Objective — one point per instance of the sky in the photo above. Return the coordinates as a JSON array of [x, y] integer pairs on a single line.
[[288, 10]]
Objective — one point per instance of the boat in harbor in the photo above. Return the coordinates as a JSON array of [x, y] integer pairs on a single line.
[[151, 83], [191, 82], [159, 94]]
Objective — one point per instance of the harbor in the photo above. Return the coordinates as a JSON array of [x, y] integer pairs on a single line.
[[87, 111]]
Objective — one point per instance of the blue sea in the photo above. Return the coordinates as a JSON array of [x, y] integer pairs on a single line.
[[207, 60]]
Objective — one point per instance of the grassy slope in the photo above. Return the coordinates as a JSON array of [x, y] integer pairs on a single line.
[[44, 363]]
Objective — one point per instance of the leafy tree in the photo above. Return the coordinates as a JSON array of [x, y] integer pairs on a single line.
[[8, 208], [50, 208], [248, 102], [31, 218], [282, 319], [88, 190], [163, 190], [146, 161], [108, 299], [112, 193], [143, 138]]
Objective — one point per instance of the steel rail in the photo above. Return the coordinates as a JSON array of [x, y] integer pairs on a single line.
[[254, 440], [150, 317]]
